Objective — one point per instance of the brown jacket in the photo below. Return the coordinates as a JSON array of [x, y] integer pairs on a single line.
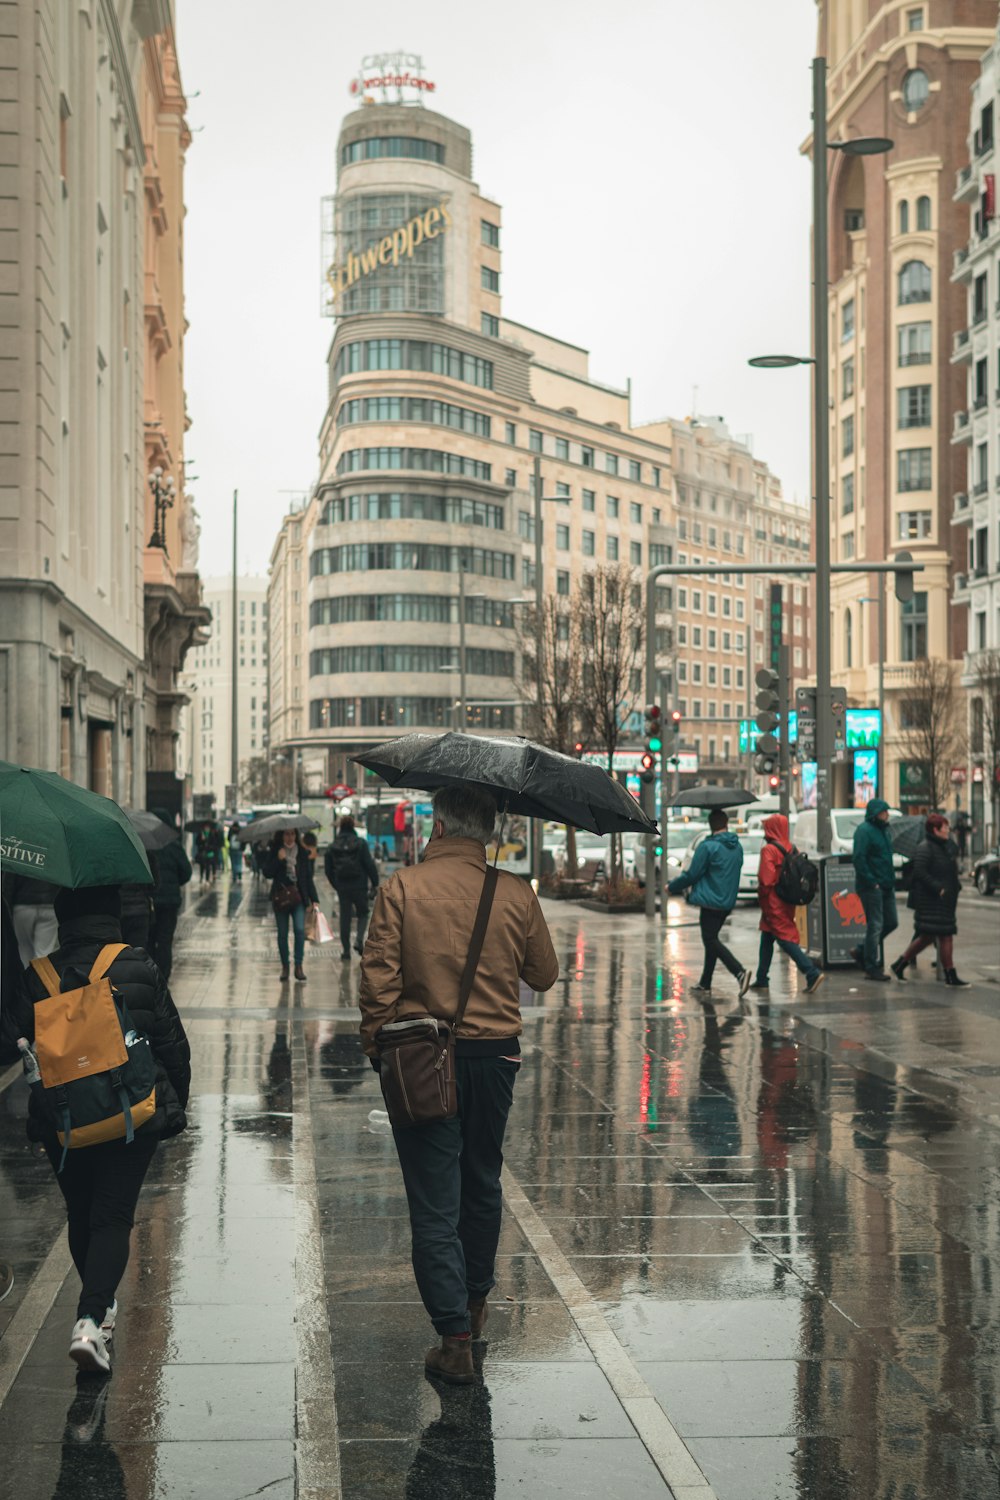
[[419, 938]]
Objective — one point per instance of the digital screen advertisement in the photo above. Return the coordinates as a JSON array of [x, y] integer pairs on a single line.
[[865, 776]]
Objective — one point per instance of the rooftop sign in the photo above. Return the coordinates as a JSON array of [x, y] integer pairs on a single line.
[[385, 71], [390, 250]]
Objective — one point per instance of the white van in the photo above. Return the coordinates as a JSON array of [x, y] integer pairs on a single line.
[[843, 822]]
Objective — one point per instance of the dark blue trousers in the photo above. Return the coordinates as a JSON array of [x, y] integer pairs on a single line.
[[451, 1172]]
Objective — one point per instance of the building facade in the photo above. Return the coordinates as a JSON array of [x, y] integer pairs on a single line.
[[76, 690], [902, 70], [288, 628], [976, 517], [208, 682], [439, 409]]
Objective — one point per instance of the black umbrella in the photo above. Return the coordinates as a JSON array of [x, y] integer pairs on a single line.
[[153, 832], [713, 796], [524, 777], [906, 833], [262, 829]]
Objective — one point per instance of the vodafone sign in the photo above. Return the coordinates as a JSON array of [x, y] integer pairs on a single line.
[[392, 70]]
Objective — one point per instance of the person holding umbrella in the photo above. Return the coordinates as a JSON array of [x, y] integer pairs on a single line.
[[714, 881], [934, 889], [290, 870]]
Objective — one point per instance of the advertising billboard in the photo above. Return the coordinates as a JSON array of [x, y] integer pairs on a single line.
[[865, 776], [808, 783], [864, 728]]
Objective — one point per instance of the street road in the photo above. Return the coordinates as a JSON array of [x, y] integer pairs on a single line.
[[747, 1253]]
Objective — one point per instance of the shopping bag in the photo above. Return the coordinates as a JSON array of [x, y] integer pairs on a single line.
[[310, 924], [321, 930]]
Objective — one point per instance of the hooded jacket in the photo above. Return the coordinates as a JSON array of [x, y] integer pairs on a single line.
[[873, 865], [145, 993], [714, 876], [349, 864], [419, 938], [776, 916]]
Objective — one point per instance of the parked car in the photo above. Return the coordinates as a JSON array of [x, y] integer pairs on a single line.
[[752, 844], [986, 872], [589, 846], [843, 822]]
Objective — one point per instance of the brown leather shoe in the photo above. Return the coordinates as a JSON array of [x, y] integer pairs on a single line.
[[452, 1362], [478, 1313], [300, 974], [284, 976]]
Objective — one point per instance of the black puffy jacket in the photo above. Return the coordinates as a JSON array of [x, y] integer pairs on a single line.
[[145, 993], [175, 871], [349, 864], [935, 871]]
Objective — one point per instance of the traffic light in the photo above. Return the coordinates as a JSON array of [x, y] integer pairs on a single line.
[[578, 749], [904, 581], [767, 720], [654, 728], [774, 781], [675, 720], [648, 764]]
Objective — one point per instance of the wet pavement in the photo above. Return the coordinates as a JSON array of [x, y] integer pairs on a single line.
[[746, 1253]]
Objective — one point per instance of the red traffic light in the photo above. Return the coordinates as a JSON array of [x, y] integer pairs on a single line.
[[578, 748], [653, 710], [676, 716], [648, 761], [774, 782]]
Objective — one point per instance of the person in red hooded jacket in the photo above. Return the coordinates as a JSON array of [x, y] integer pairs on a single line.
[[777, 917]]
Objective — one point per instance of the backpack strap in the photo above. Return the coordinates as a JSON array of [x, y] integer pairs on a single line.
[[476, 943], [104, 960], [48, 974]]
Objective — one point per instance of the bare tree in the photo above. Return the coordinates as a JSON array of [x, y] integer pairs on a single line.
[[986, 722], [934, 716], [263, 782]]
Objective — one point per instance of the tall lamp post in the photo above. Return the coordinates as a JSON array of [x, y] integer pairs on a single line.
[[820, 359], [164, 494]]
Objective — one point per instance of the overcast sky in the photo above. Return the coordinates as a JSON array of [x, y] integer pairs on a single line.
[[655, 210]]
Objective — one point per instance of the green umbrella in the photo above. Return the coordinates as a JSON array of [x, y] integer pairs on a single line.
[[53, 830]]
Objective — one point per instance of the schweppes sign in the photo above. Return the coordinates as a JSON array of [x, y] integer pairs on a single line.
[[390, 250]]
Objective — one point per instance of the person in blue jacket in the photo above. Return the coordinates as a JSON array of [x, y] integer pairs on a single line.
[[714, 880], [875, 881]]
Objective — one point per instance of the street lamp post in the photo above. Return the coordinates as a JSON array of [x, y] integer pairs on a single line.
[[164, 495], [861, 146]]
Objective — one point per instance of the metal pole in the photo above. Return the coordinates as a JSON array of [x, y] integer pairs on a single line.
[[880, 762], [821, 462], [648, 792], [234, 759], [464, 718], [784, 747], [538, 825]]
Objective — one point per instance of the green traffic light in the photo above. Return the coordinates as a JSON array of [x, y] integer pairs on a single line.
[[654, 745]]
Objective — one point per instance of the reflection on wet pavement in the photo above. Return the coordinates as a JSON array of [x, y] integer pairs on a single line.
[[782, 1231]]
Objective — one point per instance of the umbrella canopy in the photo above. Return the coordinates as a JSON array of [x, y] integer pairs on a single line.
[[524, 778], [713, 796], [906, 833], [195, 825], [265, 828], [54, 830], [153, 832]]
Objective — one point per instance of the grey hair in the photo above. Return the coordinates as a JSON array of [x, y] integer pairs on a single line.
[[464, 812]]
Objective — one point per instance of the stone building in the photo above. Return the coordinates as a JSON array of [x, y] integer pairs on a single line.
[[208, 679]]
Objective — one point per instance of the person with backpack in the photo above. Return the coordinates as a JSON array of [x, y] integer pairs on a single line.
[[351, 870], [934, 889], [875, 878], [785, 879], [101, 1182], [288, 867], [714, 881]]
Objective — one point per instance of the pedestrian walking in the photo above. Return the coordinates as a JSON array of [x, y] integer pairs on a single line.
[[174, 872], [713, 879], [101, 1183], [34, 918], [934, 888], [236, 853], [289, 869], [351, 871], [875, 880], [963, 825], [202, 855], [419, 942], [777, 916]]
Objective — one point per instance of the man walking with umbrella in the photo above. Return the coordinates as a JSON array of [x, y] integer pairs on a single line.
[[714, 882]]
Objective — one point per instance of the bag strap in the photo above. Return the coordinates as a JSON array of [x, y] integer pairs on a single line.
[[48, 974], [476, 943], [104, 960]]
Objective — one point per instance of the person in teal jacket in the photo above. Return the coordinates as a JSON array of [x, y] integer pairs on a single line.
[[875, 878], [714, 881]]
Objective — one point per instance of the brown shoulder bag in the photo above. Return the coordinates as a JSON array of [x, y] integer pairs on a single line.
[[417, 1056]]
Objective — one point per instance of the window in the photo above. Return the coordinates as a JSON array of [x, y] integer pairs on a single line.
[[981, 632], [413, 354], [847, 546], [847, 495], [562, 448], [656, 476], [847, 379], [696, 601], [916, 87], [490, 234], [635, 554], [915, 20], [588, 544], [589, 500], [613, 507], [913, 628], [980, 296], [904, 217], [982, 469], [562, 538], [913, 342], [847, 320], [913, 469], [981, 383], [634, 469], [923, 213], [914, 283], [377, 557], [489, 279], [635, 513], [510, 432], [913, 406], [489, 325], [526, 525], [612, 549], [510, 478], [610, 463], [847, 437], [380, 146], [562, 581], [535, 440], [587, 457], [696, 677], [562, 490], [352, 460], [913, 525], [984, 135]]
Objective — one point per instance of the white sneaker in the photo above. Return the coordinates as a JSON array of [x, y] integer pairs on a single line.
[[110, 1318], [88, 1347]]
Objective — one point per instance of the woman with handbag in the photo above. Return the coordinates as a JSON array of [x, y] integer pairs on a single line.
[[288, 867]]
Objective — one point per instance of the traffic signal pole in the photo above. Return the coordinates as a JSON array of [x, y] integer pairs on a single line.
[[784, 745]]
